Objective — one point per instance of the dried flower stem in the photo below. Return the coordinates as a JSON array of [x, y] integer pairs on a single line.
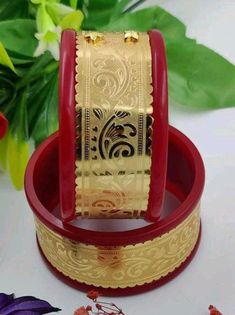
[[103, 308]]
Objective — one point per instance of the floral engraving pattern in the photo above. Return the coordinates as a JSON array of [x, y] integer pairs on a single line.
[[123, 266], [114, 126]]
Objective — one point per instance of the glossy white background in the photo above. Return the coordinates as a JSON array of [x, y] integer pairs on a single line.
[[210, 279]]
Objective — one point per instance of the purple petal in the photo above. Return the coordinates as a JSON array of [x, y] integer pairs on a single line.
[[5, 299], [28, 303], [26, 313]]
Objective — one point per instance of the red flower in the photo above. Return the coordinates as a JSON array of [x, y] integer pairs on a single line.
[[3, 125], [213, 310], [81, 311], [93, 295]]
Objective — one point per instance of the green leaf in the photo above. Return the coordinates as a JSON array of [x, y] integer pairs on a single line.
[[123, 6], [17, 158], [67, 2], [72, 20], [73, 4], [18, 36], [131, 21], [37, 70], [37, 1], [19, 59], [43, 20], [47, 120], [18, 144], [198, 76], [97, 13], [38, 95], [7, 88], [14, 9], [5, 59], [19, 126], [3, 153], [58, 11], [118, 9], [134, 5]]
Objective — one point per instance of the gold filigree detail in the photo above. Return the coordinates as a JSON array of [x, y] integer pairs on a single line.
[[114, 126], [123, 266], [93, 37], [131, 36]]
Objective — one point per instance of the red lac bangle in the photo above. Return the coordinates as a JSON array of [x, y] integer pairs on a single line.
[[113, 131], [118, 262]]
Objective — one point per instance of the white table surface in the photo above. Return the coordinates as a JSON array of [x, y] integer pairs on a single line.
[[210, 278]]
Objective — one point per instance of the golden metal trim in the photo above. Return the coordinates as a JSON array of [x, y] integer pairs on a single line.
[[93, 37], [123, 266], [131, 36]]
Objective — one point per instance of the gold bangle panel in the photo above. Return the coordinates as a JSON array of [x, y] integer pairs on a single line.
[[123, 266], [114, 125]]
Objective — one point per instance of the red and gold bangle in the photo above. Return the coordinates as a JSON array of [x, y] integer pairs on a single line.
[[113, 125], [124, 262]]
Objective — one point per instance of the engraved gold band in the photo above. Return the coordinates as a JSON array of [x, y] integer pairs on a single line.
[[123, 266], [114, 124]]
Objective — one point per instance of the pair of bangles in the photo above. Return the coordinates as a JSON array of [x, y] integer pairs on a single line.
[[115, 157]]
